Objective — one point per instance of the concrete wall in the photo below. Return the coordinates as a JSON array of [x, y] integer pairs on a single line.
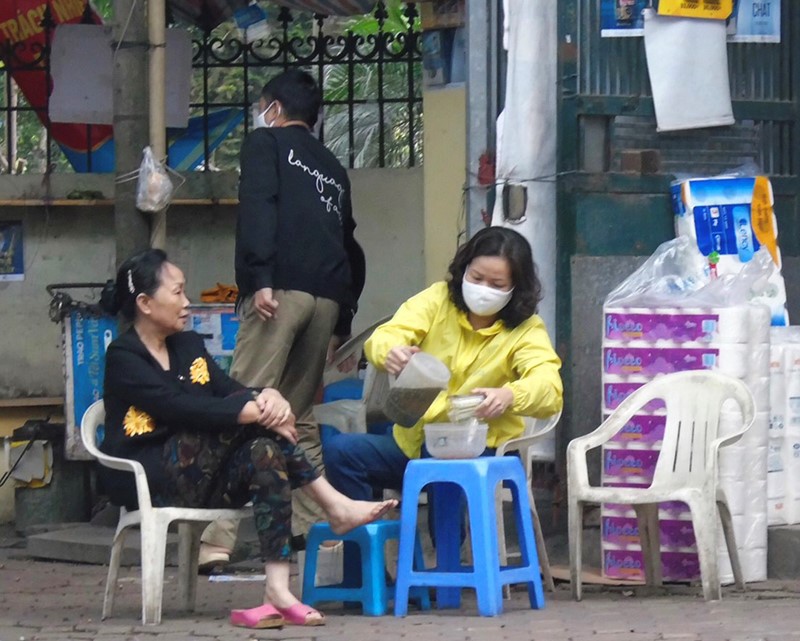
[[445, 162], [75, 244]]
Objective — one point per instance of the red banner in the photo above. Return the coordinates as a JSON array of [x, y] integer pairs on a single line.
[[22, 42]]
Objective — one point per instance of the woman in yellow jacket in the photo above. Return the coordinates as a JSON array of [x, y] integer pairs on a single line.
[[482, 324]]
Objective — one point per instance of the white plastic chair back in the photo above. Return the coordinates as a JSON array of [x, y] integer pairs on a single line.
[[695, 402]]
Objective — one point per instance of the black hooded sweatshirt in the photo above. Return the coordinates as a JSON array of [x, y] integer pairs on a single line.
[[295, 225]]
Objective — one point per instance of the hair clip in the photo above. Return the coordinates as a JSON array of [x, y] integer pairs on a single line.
[[131, 288]]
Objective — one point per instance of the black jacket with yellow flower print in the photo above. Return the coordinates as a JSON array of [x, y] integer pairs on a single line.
[[145, 404]]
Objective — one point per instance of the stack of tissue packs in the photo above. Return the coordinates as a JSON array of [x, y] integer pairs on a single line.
[[640, 344], [783, 463], [734, 217]]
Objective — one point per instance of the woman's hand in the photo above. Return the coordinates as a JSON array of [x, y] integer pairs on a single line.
[[398, 357], [275, 410], [287, 430], [275, 414], [497, 400], [249, 413]]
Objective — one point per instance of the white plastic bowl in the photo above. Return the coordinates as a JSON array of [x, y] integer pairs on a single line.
[[450, 440]]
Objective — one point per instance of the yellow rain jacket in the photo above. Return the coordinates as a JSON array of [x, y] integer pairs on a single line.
[[521, 359]]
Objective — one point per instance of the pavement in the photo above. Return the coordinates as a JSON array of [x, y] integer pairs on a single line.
[[57, 601]]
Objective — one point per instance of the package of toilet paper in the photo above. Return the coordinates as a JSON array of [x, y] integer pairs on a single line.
[[641, 343], [730, 218], [783, 462]]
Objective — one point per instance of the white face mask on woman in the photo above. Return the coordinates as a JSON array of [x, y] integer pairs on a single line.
[[483, 300]]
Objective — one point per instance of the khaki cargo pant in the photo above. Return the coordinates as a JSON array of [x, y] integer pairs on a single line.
[[287, 353]]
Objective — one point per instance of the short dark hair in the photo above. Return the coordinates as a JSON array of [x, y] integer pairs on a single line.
[[139, 274], [500, 241], [299, 94]]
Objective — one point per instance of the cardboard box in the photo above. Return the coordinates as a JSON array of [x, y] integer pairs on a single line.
[[443, 14]]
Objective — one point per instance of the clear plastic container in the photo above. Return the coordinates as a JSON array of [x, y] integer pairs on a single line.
[[456, 440], [461, 407]]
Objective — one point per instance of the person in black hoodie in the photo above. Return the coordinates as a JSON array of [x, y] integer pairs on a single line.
[[299, 269], [204, 439]]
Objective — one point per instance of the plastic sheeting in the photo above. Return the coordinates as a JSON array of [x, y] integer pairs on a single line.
[[526, 136]]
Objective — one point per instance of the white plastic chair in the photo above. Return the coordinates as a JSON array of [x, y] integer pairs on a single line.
[[686, 471], [153, 523], [353, 415], [535, 431]]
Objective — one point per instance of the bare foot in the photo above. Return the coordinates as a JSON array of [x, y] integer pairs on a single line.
[[349, 514]]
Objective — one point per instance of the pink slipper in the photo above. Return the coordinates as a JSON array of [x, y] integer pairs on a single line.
[[298, 615], [264, 616]]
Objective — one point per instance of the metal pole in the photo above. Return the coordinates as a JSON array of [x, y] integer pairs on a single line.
[[131, 228], [156, 27]]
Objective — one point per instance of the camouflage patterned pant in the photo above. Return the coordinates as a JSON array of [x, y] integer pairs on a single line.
[[228, 469]]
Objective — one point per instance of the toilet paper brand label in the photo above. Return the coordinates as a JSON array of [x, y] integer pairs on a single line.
[[622, 463], [620, 531], [645, 361], [642, 429], [623, 564], [654, 327], [629, 564], [725, 229], [615, 393]]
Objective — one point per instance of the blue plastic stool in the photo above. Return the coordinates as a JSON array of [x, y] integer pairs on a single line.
[[478, 478], [373, 593]]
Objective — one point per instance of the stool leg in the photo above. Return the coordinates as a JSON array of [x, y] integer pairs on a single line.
[[486, 566], [527, 542], [405, 552], [373, 570], [420, 592], [544, 559], [447, 531], [309, 593]]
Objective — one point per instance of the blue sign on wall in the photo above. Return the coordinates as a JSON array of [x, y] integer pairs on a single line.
[[86, 338]]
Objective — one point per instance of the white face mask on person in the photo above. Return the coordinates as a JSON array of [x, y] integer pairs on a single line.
[[483, 300], [260, 119]]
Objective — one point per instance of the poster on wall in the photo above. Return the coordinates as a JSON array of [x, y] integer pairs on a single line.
[[86, 338], [621, 18], [754, 21], [12, 265]]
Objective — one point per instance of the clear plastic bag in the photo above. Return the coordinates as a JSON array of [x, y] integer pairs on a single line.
[[678, 275], [154, 189]]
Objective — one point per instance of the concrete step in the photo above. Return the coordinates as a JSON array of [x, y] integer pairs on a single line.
[[86, 543], [783, 552]]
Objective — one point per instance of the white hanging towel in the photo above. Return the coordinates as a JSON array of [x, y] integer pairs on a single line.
[[687, 59]]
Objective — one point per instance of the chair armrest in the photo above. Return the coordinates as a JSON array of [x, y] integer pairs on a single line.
[[519, 444], [722, 441], [578, 447], [136, 468]]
